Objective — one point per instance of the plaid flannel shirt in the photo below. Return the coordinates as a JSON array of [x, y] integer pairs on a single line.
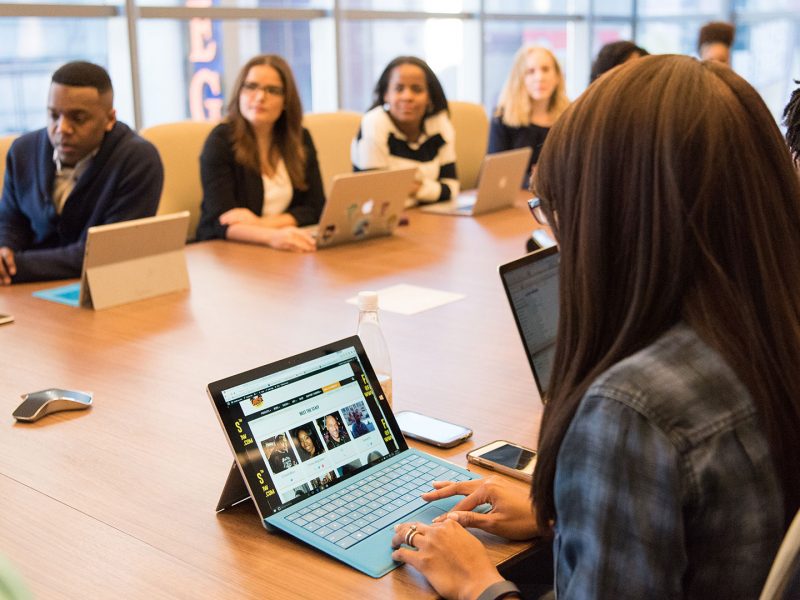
[[664, 485]]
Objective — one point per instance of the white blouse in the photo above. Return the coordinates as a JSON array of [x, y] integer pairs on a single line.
[[278, 191]]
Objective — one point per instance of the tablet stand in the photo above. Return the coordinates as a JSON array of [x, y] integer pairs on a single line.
[[234, 492]]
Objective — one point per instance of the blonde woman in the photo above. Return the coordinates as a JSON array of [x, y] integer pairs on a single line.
[[531, 100]]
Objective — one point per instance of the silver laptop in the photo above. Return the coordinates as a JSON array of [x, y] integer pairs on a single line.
[[134, 260], [319, 452], [531, 285], [362, 206], [499, 184]]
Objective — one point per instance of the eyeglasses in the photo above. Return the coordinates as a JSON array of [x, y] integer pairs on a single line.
[[535, 206], [251, 87]]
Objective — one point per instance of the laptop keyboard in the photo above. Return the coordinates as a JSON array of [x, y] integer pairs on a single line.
[[365, 507]]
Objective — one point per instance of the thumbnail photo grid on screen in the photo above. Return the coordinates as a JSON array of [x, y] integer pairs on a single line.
[[322, 450]]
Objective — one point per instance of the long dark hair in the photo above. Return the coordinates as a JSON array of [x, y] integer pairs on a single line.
[[435, 91], [673, 198], [287, 131]]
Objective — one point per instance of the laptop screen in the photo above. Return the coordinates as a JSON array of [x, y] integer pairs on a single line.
[[531, 284], [304, 423]]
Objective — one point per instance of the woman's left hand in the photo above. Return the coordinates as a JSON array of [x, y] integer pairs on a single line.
[[453, 560], [236, 216]]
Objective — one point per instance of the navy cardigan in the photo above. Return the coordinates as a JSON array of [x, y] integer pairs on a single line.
[[228, 184], [123, 182]]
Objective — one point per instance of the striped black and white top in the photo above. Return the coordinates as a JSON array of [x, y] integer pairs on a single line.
[[380, 145]]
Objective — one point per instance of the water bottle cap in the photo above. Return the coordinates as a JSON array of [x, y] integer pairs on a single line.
[[367, 300]]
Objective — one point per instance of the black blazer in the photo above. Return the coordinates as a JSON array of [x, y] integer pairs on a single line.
[[228, 184]]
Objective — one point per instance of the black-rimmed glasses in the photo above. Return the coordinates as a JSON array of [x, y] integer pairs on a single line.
[[252, 87], [535, 206]]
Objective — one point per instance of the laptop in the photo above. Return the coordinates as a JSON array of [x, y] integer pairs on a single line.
[[128, 261], [321, 455], [362, 206], [498, 186], [134, 260], [531, 285]]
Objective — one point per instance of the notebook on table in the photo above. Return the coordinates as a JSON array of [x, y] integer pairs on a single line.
[[320, 453], [362, 206], [531, 286], [498, 186]]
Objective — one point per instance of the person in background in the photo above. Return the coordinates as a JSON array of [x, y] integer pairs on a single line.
[[259, 169], [791, 118], [613, 54], [668, 449], [408, 125], [532, 99], [715, 40], [84, 169]]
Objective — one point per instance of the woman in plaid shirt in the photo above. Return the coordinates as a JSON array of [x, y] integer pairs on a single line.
[[669, 448]]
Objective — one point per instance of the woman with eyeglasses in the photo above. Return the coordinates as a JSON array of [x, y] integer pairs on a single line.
[[408, 125], [531, 100], [261, 179], [669, 448]]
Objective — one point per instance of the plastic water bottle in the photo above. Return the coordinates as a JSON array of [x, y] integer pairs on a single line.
[[369, 330]]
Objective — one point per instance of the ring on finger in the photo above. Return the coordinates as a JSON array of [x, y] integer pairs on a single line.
[[410, 538], [412, 531]]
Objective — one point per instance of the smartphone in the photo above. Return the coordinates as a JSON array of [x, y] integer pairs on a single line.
[[505, 457], [431, 431], [6, 319]]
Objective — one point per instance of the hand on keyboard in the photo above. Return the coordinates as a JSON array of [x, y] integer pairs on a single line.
[[453, 560], [512, 514]]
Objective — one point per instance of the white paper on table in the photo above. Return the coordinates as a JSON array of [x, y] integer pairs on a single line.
[[410, 299]]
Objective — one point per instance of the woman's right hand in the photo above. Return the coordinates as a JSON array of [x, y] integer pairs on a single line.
[[291, 239], [512, 515], [237, 216]]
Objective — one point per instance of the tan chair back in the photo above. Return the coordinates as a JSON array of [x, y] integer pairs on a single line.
[[179, 145], [472, 138], [333, 133], [5, 144]]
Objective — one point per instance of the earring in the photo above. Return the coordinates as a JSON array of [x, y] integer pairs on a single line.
[[386, 106]]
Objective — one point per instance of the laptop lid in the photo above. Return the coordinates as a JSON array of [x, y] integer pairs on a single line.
[[531, 285], [363, 205], [134, 260], [500, 179], [305, 423]]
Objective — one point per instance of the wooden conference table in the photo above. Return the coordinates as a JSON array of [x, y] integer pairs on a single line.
[[119, 500]]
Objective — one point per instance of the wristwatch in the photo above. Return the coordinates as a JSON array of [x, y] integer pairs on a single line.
[[499, 590]]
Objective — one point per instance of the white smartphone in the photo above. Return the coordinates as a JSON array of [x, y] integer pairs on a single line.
[[6, 319], [430, 430], [505, 457]]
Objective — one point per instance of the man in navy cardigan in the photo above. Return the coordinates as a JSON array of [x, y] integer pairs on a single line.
[[85, 168]]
